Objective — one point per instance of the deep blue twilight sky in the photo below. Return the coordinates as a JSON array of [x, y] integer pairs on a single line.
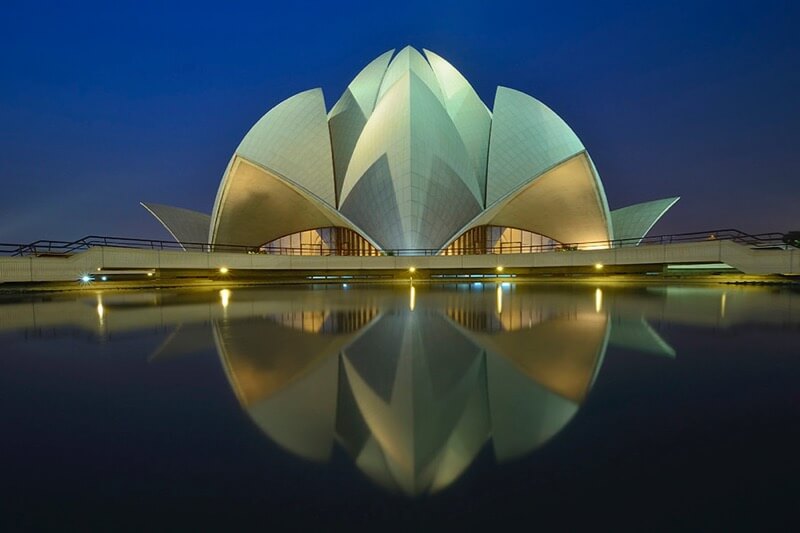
[[105, 104]]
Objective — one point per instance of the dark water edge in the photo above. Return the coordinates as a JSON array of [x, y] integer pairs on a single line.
[[95, 437]]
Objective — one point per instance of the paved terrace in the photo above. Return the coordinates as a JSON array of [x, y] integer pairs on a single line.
[[47, 261]]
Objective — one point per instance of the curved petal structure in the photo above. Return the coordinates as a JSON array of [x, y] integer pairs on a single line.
[[185, 225], [527, 140], [349, 116], [298, 380], [544, 386], [410, 158], [635, 221], [295, 377], [564, 204], [469, 114], [433, 394], [287, 151], [514, 398], [293, 141], [258, 206], [426, 188], [409, 60]]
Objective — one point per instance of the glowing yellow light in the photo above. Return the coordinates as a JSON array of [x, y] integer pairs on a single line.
[[149, 274], [598, 266], [225, 297], [499, 269], [223, 270], [412, 269], [598, 300], [412, 298], [98, 269], [101, 311], [499, 300], [722, 304]]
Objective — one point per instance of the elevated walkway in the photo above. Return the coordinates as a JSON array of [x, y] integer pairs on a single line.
[[100, 260]]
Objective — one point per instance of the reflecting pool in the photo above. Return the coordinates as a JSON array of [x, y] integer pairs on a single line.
[[450, 406]]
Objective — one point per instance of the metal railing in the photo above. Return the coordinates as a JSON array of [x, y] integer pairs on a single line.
[[47, 248]]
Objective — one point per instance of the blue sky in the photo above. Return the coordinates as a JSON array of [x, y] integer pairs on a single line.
[[103, 105]]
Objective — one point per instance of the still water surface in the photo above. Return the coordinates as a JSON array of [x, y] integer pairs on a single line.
[[453, 406]]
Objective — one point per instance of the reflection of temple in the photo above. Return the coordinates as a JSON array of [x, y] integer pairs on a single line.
[[422, 386], [411, 382]]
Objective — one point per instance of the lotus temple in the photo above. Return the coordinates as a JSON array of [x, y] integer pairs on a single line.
[[410, 158]]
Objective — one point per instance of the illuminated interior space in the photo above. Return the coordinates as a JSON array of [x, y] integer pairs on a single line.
[[499, 240], [321, 241]]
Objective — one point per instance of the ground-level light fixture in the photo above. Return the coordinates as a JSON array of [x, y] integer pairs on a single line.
[[223, 270], [499, 268], [412, 269], [598, 266]]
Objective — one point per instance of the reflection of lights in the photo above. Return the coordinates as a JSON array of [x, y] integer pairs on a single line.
[[499, 268], [722, 304], [499, 300], [505, 284], [101, 311], [223, 270], [225, 297], [412, 302], [412, 269], [598, 300], [598, 266]]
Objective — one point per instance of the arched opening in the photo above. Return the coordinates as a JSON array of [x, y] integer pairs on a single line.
[[321, 241], [500, 240]]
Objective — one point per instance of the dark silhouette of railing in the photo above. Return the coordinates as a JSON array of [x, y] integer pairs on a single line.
[[47, 248]]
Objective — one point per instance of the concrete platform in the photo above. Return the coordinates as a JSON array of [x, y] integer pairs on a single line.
[[146, 263]]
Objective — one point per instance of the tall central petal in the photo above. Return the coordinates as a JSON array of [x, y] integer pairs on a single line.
[[410, 182]]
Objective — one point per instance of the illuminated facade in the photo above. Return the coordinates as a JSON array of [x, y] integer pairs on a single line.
[[411, 158]]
